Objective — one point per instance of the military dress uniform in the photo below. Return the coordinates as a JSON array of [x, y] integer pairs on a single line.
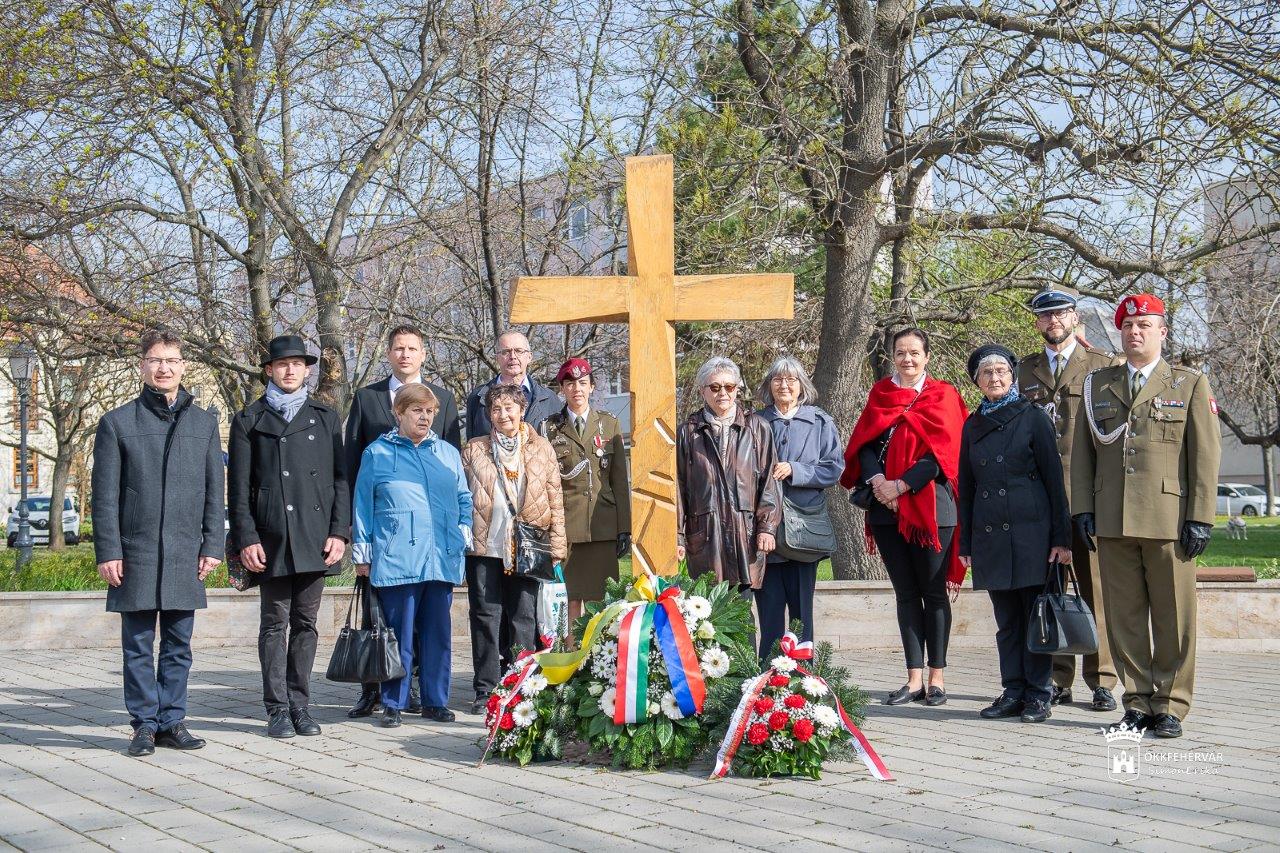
[[1145, 465], [597, 497], [1059, 392]]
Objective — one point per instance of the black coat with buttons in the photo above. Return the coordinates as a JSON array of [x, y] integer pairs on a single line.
[[1013, 503], [287, 486]]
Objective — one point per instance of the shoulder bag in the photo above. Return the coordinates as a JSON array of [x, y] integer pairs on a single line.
[[806, 534], [365, 655], [1061, 622], [863, 496], [532, 544]]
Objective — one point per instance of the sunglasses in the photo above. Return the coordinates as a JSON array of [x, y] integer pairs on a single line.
[[728, 387]]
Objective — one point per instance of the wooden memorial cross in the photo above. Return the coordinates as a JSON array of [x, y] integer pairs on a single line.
[[650, 300]]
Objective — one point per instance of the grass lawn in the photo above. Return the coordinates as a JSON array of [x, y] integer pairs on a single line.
[[74, 568]]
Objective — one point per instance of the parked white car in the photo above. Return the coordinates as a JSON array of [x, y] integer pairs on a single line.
[[1244, 499], [38, 518]]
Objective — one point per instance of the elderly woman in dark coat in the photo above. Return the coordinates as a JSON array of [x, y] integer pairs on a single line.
[[1013, 523], [728, 504]]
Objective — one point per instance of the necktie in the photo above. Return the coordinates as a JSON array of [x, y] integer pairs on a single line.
[[1059, 364], [579, 426], [1138, 381]]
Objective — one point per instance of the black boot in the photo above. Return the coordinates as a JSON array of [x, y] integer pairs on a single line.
[[367, 703], [415, 698]]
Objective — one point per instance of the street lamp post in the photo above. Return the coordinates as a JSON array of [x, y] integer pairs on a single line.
[[21, 365]]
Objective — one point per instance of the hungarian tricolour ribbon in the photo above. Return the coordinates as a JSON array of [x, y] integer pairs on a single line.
[[656, 614], [738, 723]]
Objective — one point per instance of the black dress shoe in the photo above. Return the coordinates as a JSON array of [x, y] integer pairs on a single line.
[[179, 738], [279, 725], [1167, 725], [439, 715], [1062, 696], [303, 724], [415, 700], [143, 743], [903, 695], [367, 703], [390, 718], [480, 705], [1004, 706], [1133, 719], [935, 696], [1036, 711], [1103, 700]]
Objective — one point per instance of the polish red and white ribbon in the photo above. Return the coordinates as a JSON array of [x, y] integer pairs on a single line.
[[738, 723], [528, 664]]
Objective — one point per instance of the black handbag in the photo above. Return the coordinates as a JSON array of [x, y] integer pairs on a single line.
[[1061, 622], [365, 655], [863, 496], [806, 534], [533, 548]]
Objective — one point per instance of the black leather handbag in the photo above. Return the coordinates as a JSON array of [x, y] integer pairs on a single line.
[[806, 534], [365, 655], [1061, 622], [533, 547]]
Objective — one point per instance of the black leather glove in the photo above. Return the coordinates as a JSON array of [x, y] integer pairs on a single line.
[[624, 544], [1084, 526], [1195, 538]]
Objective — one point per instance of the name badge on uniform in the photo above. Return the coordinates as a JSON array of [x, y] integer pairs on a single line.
[[1029, 389]]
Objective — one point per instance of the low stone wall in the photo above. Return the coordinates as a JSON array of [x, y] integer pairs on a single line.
[[851, 614]]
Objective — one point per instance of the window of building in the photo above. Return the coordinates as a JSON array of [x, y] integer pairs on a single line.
[[33, 471], [576, 222]]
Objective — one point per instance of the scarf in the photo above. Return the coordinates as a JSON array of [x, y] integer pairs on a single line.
[[286, 404], [721, 427], [986, 407], [931, 425], [508, 458]]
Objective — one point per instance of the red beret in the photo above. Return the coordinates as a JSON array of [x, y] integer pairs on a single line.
[[1138, 304], [574, 368]]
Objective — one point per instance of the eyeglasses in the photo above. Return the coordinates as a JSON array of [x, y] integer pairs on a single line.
[[1060, 314], [728, 387], [995, 373], [170, 363], [785, 380], [519, 353]]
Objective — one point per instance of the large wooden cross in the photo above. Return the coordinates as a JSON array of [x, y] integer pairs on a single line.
[[650, 300]]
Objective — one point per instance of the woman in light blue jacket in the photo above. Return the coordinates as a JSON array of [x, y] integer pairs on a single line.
[[411, 528]]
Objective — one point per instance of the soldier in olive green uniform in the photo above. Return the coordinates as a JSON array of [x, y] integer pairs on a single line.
[[593, 476], [1053, 379], [1144, 480]]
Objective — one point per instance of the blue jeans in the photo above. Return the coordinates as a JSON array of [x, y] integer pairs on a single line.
[[419, 614], [156, 696]]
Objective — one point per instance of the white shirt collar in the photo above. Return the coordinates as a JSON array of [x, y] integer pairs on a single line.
[[918, 387], [396, 383], [1146, 371], [575, 417], [1066, 353]]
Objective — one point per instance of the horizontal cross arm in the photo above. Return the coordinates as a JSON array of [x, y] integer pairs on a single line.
[[759, 296], [570, 299]]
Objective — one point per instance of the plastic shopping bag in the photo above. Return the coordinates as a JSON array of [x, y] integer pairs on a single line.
[[553, 611]]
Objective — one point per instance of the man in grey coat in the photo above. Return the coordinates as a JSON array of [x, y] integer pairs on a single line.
[[158, 532]]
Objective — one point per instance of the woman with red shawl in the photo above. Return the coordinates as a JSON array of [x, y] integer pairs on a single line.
[[906, 448]]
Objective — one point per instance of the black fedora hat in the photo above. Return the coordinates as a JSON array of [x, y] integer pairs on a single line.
[[288, 346]]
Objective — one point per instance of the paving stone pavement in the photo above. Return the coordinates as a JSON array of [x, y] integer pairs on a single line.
[[962, 783]]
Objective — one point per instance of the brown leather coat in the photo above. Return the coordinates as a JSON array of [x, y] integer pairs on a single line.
[[724, 503], [542, 503]]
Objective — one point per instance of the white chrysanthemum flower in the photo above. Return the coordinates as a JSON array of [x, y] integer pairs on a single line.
[[606, 701], [782, 663], [699, 607], [671, 707], [715, 662], [611, 630], [595, 688], [705, 631], [653, 708], [523, 714], [609, 649], [534, 684], [813, 686], [826, 717]]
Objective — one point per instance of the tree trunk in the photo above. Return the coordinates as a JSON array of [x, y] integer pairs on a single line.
[[840, 373], [57, 492], [1268, 479], [333, 387]]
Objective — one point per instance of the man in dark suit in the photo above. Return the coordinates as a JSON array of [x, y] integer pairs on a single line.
[[371, 416], [514, 357]]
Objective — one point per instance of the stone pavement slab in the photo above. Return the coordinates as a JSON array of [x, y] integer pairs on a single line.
[[962, 783]]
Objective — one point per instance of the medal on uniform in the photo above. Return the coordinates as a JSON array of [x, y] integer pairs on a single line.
[[599, 443], [1157, 403]]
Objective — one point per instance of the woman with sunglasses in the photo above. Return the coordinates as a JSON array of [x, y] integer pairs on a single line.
[[728, 503]]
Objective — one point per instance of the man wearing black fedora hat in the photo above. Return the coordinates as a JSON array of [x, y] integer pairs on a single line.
[[290, 521]]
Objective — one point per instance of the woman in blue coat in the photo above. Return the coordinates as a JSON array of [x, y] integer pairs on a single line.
[[411, 528]]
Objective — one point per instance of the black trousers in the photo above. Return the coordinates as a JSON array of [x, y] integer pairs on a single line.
[[1023, 674], [287, 638], [785, 596], [503, 615], [919, 577], [155, 690]]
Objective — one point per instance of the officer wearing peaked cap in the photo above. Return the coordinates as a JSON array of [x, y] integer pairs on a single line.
[[1144, 481], [1053, 379]]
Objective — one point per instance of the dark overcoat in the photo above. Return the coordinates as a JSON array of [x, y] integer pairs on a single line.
[[157, 500], [542, 404], [371, 416], [1012, 501], [287, 486]]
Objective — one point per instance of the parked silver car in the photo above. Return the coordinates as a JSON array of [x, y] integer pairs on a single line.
[[38, 518], [1244, 499]]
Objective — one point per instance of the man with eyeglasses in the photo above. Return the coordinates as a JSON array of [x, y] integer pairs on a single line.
[[514, 357], [1053, 379], [157, 533]]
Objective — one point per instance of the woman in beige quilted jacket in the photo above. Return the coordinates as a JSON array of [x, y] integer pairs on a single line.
[[512, 468]]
